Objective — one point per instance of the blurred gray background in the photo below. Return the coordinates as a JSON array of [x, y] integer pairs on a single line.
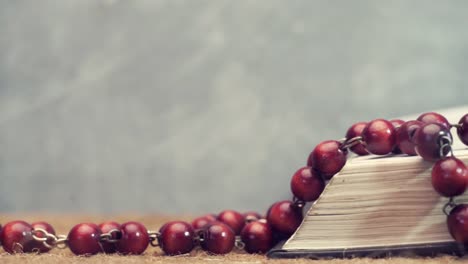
[[197, 106]]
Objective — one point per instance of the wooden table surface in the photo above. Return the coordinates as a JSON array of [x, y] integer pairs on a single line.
[[63, 223]]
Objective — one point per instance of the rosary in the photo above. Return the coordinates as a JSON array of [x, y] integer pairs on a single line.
[[429, 137]]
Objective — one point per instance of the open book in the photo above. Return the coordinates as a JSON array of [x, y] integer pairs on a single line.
[[378, 206]]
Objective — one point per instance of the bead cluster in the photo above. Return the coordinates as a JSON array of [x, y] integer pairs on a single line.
[[214, 234], [429, 137]]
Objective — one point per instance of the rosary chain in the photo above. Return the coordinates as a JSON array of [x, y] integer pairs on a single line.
[[49, 240], [443, 148]]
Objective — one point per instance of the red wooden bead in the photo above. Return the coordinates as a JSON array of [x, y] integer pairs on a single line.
[[134, 239], [176, 238], [449, 177], [257, 237], [432, 117], [306, 184], [252, 216], [200, 222], [84, 239], [356, 131], [328, 158], [106, 227], [462, 129], [427, 139], [47, 227], [16, 237], [284, 217], [379, 136], [397, 125], [233, 219], [211, 217], [405, 136], [218, 238], [457, 223]]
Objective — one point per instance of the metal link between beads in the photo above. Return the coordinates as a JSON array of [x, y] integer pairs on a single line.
[[298, 202], [455, 125], [250, 218], [445, 143], [61, 242], [449, 205], [154, 238], [49, 240], [199, 236], [239, 244], [347, 143], [109, 236]]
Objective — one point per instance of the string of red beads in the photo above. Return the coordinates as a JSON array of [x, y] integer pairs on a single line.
[[429, 137]]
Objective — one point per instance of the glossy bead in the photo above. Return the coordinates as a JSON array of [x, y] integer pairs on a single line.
[[328, 159], [356, 131], [211, 217], [218, 238], [233, 219], [462, 129], [306, 184], [176, 238], [252, 216], [47, 227], [257, 237], [284, 217], [83, 239], [16, 237], [396, 125], [427, 139], [379, 137], [134, 239], [106, 227], [200, 222], [457, 223], [405, 136], [432, 117], [449, 177]]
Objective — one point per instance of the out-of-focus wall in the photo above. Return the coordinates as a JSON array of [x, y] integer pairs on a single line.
[[195, 106]]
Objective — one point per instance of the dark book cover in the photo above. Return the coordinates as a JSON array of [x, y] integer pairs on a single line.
[[430, 249]]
